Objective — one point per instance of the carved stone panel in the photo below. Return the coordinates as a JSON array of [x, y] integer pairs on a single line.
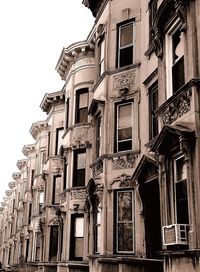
[[78, 194], [97, 169], [80, 134], [124, 80], [124, 161]]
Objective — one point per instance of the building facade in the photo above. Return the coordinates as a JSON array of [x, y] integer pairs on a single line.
[[112, 180]]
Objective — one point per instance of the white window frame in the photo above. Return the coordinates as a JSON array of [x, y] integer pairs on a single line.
[[169, 58], [117, 124]]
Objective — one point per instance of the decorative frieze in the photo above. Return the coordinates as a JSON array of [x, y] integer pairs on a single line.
[[97, 169], [123, 181], [80, 134], [177, 108], [84, 62], [124, 161], [124, 81], [78, 194]]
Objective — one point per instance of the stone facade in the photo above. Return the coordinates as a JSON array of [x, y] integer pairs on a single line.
[[112, 179]]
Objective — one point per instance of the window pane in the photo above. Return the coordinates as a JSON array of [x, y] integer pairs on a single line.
[[41, 198], [126, 56], [182, 202], [125, 206], [81, 161], [83, 100], [125, 145], [124, 134], [181, 170], [126, 34], [79, 221], [83, 115], [125, 112], [125, 237], [79, 247]]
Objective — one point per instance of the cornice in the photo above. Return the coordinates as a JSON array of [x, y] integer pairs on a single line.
[[37, 127], [27, 149], [11, 184], [22, 163], [72, 53], [8, 192], [51, 99], [94, 5]]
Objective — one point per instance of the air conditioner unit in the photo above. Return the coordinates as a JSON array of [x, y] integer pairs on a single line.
[[175, 234]]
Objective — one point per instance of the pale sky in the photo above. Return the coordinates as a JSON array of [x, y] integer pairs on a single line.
[[32, 35]]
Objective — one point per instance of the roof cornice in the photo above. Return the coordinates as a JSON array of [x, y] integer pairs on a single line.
[[72, 53], [37, 127], [51, 99]]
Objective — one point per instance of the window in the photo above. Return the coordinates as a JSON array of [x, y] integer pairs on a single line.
[[98, 136], [125, 44], [56, 190], [101, 46], [77, 231], [65, 175], [59, 134], [124, 222], [153, 105], [30, 213], [174, 59], [41, 201], [49, 138], [97, 226], [124, 131], [53, 247], [180, 190], [67, 114], [79, 167], [82, 106]]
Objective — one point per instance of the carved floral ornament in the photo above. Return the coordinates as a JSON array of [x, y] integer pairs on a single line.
[[124, 161], [171, 8], [124, 81], [124, 181]]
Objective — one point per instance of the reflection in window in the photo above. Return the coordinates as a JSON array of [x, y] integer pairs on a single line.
[[77, 231], [79, 167], [124, 127], [125, 217], [59, 134]]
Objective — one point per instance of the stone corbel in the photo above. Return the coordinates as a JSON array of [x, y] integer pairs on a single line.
[[181, 12], [157, 43]]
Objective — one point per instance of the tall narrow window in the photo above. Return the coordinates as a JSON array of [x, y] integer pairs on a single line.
[[53, 246], [77, 231], [49, 138], [124, 222], [82, 106], [180, 190], [65, 175], [101, 56], [125, 44], [124, 137], [41, 201], [59, 134], [79, 167], [174, 59], [56, 190], [30, 213], [153, 105], [97, 226], [98, 136], [67, 113]]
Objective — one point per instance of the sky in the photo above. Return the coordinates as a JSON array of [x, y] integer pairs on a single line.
[[32, 36]]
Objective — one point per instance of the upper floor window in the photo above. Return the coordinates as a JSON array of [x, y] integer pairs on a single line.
[[79, 167], [97, 225], [180, 190], [56, 189], [67, 113], [59, 134], [124, 126], [98, 135], [81, 106], [174, 59], [124, 221], [77, 231], [125, 44], [53, 246], [41, 201], [101, 47], [153, 105]]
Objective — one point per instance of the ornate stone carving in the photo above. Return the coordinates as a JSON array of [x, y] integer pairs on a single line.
[[181, 12], [63, 198], [124, 81], [123, 180], [177, 108], [57, 165], [124, 161], [80, 134], [78, 194], [97, 169], [157, 43], [84, 61]]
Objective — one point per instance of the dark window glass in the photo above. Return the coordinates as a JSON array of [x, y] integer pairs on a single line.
[[98, 136], [76, 245], [125, 44], [65, 175], [79, 167], [153, 105], [97, 226], [53, 249], [67, 113], [59, 134], [124, 220], [82, 106]]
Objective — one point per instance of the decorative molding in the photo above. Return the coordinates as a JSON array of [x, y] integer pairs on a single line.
[[124, 81], [78, 194], [123, 180], [80, 134], [177, 108], [157, 43], [84, 61], [97, 169], [124, 161], [181, 12]]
